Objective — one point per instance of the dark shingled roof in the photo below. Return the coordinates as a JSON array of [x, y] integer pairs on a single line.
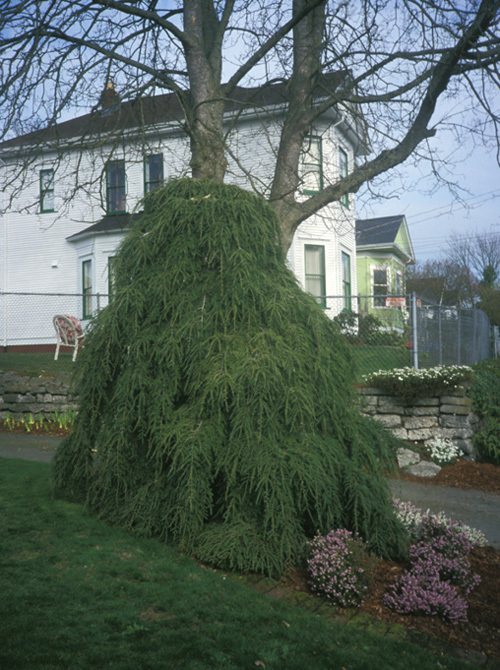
[[151, 110], [111, 223], [382, 230]]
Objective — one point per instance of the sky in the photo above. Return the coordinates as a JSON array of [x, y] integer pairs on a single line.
[[433, 217]]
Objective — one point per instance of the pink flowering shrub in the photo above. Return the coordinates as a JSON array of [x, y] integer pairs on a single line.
[[438, 565], [338, 567], [425, 593]]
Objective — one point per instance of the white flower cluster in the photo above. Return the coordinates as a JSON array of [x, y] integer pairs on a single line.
[[442, 450], [448, 375], [411, 517]]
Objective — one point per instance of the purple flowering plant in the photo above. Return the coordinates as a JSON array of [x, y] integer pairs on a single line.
[[339, 567], [439, 572]]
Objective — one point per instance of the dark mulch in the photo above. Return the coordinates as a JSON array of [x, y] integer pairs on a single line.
[[462, 475]]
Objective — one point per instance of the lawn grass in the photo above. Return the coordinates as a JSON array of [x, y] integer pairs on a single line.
[[368, 358], [374, 358], [35, 364], [76, 593]]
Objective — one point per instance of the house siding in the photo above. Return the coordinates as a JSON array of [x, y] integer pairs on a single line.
[[38, 257]]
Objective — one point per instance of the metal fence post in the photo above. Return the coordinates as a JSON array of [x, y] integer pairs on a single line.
[[440, 337], [414, 329]]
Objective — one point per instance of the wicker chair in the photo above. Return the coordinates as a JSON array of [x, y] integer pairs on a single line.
[[69, 333]]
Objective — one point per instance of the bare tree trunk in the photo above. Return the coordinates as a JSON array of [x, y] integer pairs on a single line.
[[307, 48], [203, 50]]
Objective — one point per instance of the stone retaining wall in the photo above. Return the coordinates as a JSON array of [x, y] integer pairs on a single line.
[[446, 416], [21, 395]]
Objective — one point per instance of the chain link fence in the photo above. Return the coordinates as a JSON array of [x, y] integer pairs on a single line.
[[384, 331], [377, 327], [451, 335], [393, 331], [27, 333]]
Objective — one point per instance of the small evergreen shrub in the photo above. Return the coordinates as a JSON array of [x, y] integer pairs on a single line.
[[485, 394], [339, 567]]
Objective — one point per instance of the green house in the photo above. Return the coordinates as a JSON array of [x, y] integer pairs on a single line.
[[383, 251]]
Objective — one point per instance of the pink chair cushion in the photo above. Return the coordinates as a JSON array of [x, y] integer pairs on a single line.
[[69, 333]]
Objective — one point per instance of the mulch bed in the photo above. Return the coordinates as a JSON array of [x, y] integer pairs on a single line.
[[482, 631], [462, 475]]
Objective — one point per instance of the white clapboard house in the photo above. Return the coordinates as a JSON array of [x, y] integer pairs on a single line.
[[70, 193]]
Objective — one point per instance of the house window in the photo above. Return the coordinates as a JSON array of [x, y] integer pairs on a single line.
[[399, 283], [314, 257], [380, 286], [87, 289], [344, 171], [346, 280], [153, 172], [46, 191], [312, 165], [111, 275], [115, 187]]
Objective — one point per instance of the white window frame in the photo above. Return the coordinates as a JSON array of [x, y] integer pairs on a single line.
[[151, 184], [399, 282], [375, 296], [346, 283], [113, 189], [87, 291], [321, 296], [47, 194], [343, 156], [312, 165]]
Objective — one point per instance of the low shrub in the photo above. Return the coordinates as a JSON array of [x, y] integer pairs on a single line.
[[409, 383], [426, 594], [439, 570], [443, 451], [367, 329], [485, 394], [411, 517], [339, 567]]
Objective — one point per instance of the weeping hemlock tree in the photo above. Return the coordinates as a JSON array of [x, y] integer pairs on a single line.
[[219, 396]]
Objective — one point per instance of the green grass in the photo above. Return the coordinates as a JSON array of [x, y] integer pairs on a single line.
[[373, 358], [35, 364], [368, 358], [77, 594]]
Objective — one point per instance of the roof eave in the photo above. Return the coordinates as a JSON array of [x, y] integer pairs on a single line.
[[388, 248]]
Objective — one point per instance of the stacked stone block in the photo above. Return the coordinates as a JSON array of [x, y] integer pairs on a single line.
[[21, 395], [445, 416]]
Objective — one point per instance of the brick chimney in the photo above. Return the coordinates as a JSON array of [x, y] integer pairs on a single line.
[[109, 97]]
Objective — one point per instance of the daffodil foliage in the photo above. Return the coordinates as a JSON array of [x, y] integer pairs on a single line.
[[217, 408]]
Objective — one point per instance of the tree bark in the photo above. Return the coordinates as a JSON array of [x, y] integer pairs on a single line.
[[203, 50]]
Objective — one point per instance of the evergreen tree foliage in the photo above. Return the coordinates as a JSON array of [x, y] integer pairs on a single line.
[[217, 407]]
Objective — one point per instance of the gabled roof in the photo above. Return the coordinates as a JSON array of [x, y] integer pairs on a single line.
[[111, 223], [386, 233], [147, 111]]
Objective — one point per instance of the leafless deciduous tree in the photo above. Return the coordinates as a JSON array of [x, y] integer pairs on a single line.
[[479, 252], [406, 65], [443, 282]]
